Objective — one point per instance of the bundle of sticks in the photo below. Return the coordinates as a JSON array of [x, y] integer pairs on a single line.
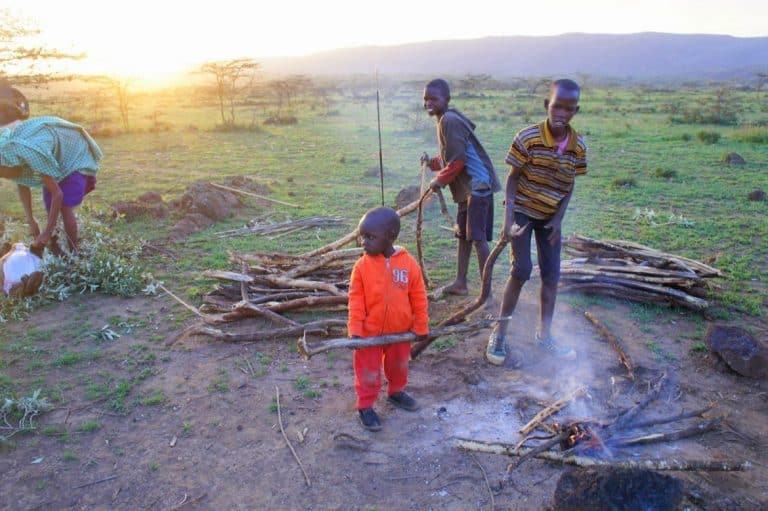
[[279, 229], [629, 270]]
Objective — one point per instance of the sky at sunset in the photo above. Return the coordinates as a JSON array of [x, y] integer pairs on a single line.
[[153, 38]]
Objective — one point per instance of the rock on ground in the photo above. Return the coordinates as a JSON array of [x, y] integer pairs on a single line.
[[742, 352]]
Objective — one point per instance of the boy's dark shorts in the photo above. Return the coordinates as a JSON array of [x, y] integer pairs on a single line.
[[548, 254], [475, 219]]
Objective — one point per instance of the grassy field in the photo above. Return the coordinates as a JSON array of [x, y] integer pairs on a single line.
[[652, 179]]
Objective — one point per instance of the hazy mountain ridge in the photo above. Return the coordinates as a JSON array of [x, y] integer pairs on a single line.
[[642, 55]]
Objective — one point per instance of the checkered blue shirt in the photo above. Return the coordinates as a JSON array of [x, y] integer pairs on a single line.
[[50, 146]]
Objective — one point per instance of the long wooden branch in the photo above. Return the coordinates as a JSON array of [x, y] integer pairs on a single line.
[[321, 326], [251, 194], [551, 410], [675, 418], [308, 351], [462, 314], [615, 344], [419, 240], [469, 444], [694, 430], [323, 261], [349, 238]]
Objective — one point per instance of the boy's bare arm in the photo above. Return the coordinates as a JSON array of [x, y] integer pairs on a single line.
[[510, 229], [57, 197], [10, 172], [556, 222], [25, 196]]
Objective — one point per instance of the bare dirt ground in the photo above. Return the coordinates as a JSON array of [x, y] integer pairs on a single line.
[[218, 411]]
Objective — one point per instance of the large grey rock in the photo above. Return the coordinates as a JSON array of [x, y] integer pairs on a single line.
[[734, 159], [742, 352]]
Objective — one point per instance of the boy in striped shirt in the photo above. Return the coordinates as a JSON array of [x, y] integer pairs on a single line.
[[545, 159]]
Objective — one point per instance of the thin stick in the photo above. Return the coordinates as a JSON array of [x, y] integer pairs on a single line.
[[485, 476], [697, 429], [461, 315], [469, 444], [250, 194], [665, 420], [109, 478], [419, 244], [282, 430], [551, 410], [615, 344], [185, 304]]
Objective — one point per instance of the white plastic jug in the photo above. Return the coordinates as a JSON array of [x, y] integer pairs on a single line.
[[16, 264]]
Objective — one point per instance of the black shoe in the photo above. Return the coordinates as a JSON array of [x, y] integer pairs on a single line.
[[369, 419], [404, 401]]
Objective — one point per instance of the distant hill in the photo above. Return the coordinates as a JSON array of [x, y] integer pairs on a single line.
[[642, 55]]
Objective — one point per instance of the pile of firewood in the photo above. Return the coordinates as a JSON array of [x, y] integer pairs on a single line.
[[628, 270]]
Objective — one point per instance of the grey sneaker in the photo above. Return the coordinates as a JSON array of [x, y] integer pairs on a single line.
[[496, 351], [404, 401], [549, 345]]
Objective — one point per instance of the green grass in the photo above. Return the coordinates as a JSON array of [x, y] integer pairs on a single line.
[[154, 399], [89, 426]]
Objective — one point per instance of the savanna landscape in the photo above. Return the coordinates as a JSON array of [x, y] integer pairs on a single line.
[[120, 391]]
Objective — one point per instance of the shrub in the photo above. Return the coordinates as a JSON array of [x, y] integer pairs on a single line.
[[281, 120], [624, 182], [686, 137], [664, 173], [708, 137], [752, 135]]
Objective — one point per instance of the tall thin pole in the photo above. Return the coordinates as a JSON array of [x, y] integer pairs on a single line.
[[381, 157]]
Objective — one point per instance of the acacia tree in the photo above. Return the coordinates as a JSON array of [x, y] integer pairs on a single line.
[[21, 61], [286, 91], [232, 78]]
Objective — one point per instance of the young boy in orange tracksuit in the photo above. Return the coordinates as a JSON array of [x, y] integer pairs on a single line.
[[386, 296]]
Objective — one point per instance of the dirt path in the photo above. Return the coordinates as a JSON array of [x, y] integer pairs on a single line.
[[216, 406]]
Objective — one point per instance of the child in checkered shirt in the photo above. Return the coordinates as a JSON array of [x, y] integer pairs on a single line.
[[51, 153]]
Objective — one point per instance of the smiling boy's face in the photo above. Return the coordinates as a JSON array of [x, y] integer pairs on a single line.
[[435, 101], [561, 106]]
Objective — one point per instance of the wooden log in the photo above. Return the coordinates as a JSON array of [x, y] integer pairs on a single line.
[[323, 261], [697, 429], [308, 351], [675, 295], [287, 283], [462, 314], [320, 326], [675, 418], [551, 410], [578, 273], [247, 308], [309, 302], [469, 444], [349, 238], [615, 344], [230, 276], [627, 293]]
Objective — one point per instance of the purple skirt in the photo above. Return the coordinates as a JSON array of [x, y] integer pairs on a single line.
[[74, 187]]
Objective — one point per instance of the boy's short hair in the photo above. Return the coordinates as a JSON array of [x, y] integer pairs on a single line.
[[566, 84], [13, 105], [441, 85], [387, 218]]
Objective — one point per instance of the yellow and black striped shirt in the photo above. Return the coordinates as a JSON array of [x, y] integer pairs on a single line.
[[546, 176]]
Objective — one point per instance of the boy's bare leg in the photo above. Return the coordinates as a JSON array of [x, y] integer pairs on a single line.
[[70, 227], [508, 303], [548, 296], [463, 252]]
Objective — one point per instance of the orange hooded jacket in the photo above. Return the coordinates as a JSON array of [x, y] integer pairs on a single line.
[[387, 296]]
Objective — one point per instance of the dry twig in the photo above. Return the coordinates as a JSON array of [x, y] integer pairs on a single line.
[[282, 430]]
